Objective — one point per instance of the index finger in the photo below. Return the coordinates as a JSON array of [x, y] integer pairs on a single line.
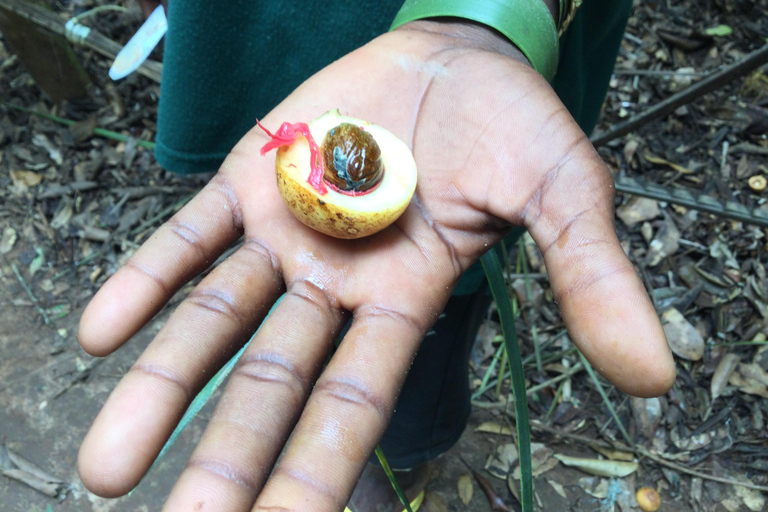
[[346, 413], [180, 249]]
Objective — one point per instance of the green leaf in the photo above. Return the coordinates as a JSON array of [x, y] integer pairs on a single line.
[[606, 400], [392, 480], [200, 400], [498, 285], [203, 396], [37, 262], [720, 30]]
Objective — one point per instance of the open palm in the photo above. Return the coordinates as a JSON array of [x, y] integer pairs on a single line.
[[494, 148]]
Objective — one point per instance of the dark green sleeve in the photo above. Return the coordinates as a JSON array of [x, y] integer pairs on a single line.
[[588, 52]]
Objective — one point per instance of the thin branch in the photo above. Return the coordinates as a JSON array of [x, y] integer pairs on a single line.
[[641, 451], [95, 40], [714, 81], [31, 295]]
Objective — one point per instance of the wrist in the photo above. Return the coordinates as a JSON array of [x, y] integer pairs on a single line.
[[468, 33], [530, 25]]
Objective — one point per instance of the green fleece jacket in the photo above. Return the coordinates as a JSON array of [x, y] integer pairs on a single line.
[[220, 61]]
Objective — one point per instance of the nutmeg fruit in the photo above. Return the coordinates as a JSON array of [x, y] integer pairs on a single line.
[[368, 176], [648, 499], [758, 183]]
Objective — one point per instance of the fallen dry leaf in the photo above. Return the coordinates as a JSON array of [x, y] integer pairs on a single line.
[[647, 414], [630, 148], [491, 427], [751, 379], [501, 460], [559, 489], [660, 161], [665, 243], [595, 487], [14, 466], [754, 500], [541, 461], [26, 178], [723, 372], [9, 238], [599, 467], [465, 488], [497, 504], [689, 443], [684, 340], [615, 454], [44, 142], [433, 502]]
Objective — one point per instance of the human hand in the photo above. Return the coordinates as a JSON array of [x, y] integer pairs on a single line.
[[494, 148]]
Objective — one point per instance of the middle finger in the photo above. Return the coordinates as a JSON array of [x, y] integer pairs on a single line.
[[261, 404], [346, 415]]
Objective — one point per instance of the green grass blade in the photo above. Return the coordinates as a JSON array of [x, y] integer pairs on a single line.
[[200, 400], [484, 386], [108, 134], [392, 480], [528, 295], [493, 272], [205, 394], [607, 401], [500, 380]]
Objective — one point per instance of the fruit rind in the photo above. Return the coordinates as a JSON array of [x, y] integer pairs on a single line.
[[340, 215]]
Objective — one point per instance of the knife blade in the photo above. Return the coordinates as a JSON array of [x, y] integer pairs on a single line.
[[140, 46]]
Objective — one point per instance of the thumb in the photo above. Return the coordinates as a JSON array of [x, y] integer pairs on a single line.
[[603, 302]]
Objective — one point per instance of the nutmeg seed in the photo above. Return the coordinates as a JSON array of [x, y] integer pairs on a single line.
[[648, 499], [352, 159]]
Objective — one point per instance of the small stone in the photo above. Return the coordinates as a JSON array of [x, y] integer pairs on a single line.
[[647, 231], [638, 209]]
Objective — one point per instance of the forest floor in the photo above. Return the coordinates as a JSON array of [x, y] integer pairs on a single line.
[[74, 206]]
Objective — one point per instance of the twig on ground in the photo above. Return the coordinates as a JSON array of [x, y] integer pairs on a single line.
[[641, 451], [80, 376], [709, 84], [31, 295], [163, 214]]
